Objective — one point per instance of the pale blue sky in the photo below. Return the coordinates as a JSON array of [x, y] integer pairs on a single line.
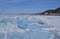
[[27, 6]]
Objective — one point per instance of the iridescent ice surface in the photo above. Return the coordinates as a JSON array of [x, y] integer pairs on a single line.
[[25, 27]]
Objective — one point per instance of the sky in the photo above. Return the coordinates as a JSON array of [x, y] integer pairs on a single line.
[[27, 6]]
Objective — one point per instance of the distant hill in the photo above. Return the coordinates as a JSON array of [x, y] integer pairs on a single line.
[[51, 12], [57, 10]]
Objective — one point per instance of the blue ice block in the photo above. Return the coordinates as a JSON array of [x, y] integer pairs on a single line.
[[37, 35], [15, 35], [2, 36]]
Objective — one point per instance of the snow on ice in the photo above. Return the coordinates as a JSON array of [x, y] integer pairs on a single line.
[[29, 27]]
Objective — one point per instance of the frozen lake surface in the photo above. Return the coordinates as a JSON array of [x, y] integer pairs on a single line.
[[29, 27]]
